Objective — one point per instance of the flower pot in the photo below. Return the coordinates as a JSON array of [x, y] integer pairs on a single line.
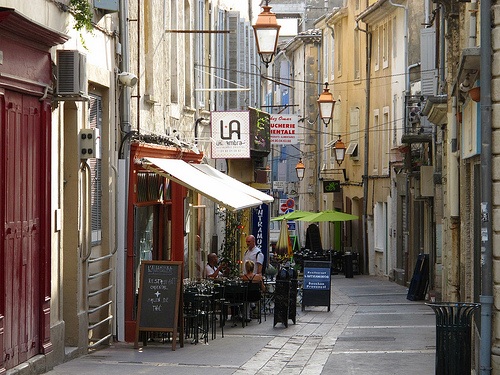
[[475, 94]]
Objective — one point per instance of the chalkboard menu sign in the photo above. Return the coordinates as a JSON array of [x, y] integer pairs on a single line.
[[316, 286], [159, 299]]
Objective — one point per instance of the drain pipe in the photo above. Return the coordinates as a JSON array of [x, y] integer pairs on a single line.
[[486, 297], [367, 147]]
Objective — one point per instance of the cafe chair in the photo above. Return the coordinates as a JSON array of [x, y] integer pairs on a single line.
[[235, 296], [196, 313], [254, 295]]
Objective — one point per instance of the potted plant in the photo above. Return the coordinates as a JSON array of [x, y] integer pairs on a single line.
[[475, 94], [271, 271]]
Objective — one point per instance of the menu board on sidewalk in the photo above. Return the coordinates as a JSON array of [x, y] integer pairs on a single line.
[[316, 286], [159, 299]]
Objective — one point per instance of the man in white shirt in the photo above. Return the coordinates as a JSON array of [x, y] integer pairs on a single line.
[[211, 269], [254, 254]]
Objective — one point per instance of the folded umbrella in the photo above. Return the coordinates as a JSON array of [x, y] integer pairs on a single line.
[[283, 247]]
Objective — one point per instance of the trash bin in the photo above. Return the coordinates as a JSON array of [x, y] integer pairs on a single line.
[[453, 337], [348, 265]]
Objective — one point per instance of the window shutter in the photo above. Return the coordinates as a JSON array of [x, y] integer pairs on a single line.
[[95, 121]]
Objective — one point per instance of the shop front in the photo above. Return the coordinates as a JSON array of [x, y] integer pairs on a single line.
[[164, 188]]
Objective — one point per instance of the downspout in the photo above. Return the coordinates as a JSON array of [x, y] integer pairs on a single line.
[[319, 122], [407, 92], [454, 179], [367, 145], [124, 109], [486, 297]]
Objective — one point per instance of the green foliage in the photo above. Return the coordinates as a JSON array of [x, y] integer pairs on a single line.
[[82, 11], [231, 240]]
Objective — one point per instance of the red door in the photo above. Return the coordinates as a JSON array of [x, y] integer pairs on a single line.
[[22, 202]]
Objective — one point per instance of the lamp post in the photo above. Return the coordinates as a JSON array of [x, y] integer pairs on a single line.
[[300, 169], [266, 30], [326, 104]]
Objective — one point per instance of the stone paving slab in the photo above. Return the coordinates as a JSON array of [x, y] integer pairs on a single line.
[[371, 329]]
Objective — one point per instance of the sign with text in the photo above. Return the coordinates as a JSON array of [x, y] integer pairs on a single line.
[[317, 278], [278, 185], [159, 299], [230, 135], [260, 227], [284, 129], [316, 289], [331, 186]]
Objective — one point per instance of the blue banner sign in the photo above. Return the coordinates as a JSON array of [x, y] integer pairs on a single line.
[[260, 227], [317, 278]]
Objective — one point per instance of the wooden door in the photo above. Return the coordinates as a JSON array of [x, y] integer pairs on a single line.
[[21, 171]]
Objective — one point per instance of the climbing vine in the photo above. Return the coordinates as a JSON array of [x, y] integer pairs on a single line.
[[82, 11], [230, 244]]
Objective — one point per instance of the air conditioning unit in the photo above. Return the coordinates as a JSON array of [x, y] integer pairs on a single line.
[[71, 75]]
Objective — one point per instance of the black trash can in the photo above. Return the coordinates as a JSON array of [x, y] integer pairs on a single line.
[[453, 337], [348, 265]]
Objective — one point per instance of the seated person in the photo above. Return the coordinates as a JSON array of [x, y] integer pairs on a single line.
[[211, 269], [250, 277]]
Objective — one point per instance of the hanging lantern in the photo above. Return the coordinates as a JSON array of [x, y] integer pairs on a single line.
[[326, 104], [266, 34], [339, 149], [300, 169]]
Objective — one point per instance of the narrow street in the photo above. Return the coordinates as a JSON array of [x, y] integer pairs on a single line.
[[371, 329]]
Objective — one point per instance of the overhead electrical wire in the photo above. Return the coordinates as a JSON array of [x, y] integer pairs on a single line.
[[334, 82]]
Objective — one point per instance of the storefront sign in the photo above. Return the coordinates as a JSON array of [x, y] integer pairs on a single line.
[[230, 135], [331, 186], [260, 228], [317, 278], [284, 129], [316, 291]]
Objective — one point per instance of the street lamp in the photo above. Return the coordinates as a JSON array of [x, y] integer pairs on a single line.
[[339, 149], [300, 169], [266, 30], [326, 104]]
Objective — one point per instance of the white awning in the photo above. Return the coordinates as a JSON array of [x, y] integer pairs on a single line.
[[194, 179], [234, 183]]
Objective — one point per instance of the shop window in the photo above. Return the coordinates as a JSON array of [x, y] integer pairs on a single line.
[[152, 187]]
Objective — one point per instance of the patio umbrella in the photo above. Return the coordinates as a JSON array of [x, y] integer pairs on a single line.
[[328, 215], [284, 245], [292, 215]]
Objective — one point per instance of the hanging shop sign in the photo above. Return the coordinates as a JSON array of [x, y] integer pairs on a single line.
[[230, 134], [260, 227], [284, 129], [331, 186]]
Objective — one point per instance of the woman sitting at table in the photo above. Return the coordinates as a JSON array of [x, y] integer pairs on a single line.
[[250, 277]]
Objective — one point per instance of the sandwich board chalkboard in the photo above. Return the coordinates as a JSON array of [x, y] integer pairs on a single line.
[[316, 285], [160, 300]]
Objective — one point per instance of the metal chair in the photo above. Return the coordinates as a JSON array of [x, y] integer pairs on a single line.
[[235, 296]]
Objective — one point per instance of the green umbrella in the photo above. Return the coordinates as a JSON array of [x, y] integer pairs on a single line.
[[292, 215], [328, 215]]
